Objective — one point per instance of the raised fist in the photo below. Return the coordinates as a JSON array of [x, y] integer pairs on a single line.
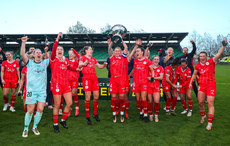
[[192, 41], [24, 39]]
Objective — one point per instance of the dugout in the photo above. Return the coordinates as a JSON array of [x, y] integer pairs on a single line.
[[12, 42]]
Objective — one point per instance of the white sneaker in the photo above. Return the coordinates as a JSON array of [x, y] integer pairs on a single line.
[[209, 126], [151, 118], [156, 119], [184, 112], [60, 111], [36, 132], [165, 108], [25, 133], [12, 109], [189, 114], [5, 106]]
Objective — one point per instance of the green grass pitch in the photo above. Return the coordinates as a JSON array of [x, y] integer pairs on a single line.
[[178, 130]]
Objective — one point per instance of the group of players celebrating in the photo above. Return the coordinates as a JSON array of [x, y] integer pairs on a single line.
[[146, 73]]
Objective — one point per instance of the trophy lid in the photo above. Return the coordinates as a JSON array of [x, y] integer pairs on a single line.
[[119, 28]]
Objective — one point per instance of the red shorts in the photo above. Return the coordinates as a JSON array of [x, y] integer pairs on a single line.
[[153, 89], [10, 84], [127, 86], [116, 86], [168, 87], [59, 89], [73, 83], [90, 84], [208, 89], [137, 88], [183, 89]]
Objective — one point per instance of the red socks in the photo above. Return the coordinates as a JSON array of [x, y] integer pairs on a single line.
[[76, 100], [95, 106], [122, 104], [113, 105], [183, 102], [55, 119], [210, 118], [145, 106], [190, 103], [139, 105], [202, 113], [64, 116], [168, 101], [13, 98], [150, 108], [156, 108], [174, 102], [87, 105], [127, 106]]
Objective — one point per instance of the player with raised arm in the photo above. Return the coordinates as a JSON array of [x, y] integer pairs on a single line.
[[90, 81], [169, 87], [119, 78], [207, 84], [154, 88], [183, 72], [142, 66], [10, 76], [60, 83], [35, 86], [74, 58]]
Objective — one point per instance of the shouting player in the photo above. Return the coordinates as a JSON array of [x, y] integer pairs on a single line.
[[119, 78], [60, 83], [142, 66], [35, 87], [184, 74], [207, 84], [90, 81], [10, 76], [154, 89]]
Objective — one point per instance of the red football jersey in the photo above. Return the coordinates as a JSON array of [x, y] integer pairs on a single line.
[[24, 72], [89, 69], [206, 71], [119, 67], [141, 70], [184, 75], [168, 71], [59, 71], [73, 75], [10, 70], [157, 72]]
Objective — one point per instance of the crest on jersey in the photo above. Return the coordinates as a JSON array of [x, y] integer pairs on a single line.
[[207, 63], [144, 62], [158, 70], [14, 65], [65, 62], [42, 64]]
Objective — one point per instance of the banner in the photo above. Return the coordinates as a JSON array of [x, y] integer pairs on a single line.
[[104, 90]]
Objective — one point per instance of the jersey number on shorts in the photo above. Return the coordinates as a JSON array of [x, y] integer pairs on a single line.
[[29, 94]]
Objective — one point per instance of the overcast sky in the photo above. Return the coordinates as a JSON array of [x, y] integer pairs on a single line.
[[53, 16]]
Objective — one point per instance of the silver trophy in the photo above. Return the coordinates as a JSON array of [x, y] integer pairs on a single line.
[[118, 31]]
